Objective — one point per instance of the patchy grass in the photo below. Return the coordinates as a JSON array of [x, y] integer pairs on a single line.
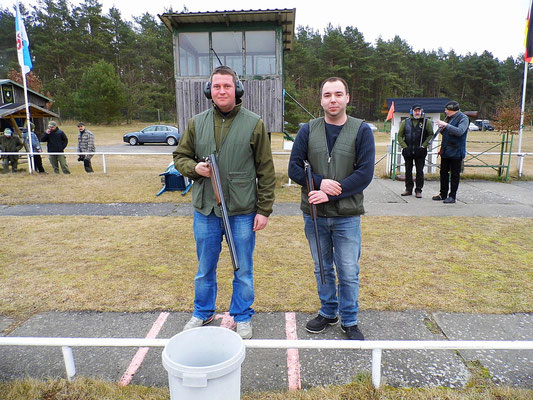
[[360, 388], [136, 264]]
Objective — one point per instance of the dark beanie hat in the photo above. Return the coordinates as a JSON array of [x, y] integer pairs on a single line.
[[452, 106]]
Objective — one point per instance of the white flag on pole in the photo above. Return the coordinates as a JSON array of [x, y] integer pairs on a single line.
[[23, 44]]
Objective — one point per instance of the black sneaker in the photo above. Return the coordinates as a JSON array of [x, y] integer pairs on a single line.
[[449, 200], [353, 332], [318, 324]]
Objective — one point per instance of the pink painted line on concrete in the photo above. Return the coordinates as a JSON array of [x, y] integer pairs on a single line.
[[141, 353], [293, 357], [227, 321]]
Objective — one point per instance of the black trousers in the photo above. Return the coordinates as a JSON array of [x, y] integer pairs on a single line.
[[87, 165], [450, 168], [419, 164], [38, 162]]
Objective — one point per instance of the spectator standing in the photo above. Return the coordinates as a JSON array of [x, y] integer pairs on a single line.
[[413, 136], [452, 151], [10, 143], [85, 145], [57, 142]]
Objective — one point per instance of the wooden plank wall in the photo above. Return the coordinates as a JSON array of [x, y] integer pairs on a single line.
[[263, 97]]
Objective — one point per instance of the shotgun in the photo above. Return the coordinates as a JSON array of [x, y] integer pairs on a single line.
[[314, 216], [447, 119], [217, 188]]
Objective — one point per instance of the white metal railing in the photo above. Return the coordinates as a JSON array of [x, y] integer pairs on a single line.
[[377, 346], [103, 154]]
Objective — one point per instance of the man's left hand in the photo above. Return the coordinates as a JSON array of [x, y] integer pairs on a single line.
[[442, 124], [260, 222]]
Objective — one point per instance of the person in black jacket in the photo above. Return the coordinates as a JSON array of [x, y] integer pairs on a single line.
[[452, 151], [413, 136], [57, 141]]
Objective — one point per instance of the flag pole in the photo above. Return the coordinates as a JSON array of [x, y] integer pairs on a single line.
[[522, 110], [28, 125]]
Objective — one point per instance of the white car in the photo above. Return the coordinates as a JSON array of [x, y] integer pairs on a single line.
[[473, 127], [372, 126]]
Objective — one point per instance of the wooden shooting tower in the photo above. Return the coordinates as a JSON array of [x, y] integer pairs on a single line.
[[251, 42]]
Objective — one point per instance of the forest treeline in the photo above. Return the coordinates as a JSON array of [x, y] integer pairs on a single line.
[[101, 68]]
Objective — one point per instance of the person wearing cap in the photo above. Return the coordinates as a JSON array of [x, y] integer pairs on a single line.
[[85, 145], [10, 143], [57, 141], [36, 145], [452, 151], [413, 136]]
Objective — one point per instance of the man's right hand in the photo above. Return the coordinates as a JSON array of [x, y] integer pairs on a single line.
[[331, 187], [202, 168]]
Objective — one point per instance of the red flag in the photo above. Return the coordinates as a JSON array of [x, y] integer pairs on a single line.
[[390, 115], [528, 41]]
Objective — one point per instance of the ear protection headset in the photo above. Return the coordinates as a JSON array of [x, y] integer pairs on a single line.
[[411, 111], [239, 88]]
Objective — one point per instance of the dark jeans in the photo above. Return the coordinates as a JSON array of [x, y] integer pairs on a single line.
[[87, 165], [419, 163], [450, 167]]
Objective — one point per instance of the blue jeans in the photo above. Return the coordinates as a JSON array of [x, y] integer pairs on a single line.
[[208, 231], [340, 241]]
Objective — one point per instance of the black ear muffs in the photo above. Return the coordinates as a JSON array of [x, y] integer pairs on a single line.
[[411, 111], [239, 90]]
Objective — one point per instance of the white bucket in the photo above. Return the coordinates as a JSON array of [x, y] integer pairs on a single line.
[[204, 363]]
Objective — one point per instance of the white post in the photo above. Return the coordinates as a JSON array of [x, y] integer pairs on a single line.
[[69, 362], [103, 160], [519, 150], [376, 367]]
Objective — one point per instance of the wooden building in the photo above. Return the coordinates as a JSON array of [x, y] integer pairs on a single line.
[[13, 107], [250, 42]]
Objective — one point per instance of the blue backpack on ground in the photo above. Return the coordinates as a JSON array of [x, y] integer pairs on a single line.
[[173, 180]]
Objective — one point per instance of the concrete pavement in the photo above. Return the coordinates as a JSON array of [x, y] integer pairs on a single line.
[[382, 197]]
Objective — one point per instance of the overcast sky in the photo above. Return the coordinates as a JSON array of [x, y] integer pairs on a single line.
[[466, 26]]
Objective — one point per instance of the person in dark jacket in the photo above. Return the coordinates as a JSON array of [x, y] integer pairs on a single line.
[[341, 152], [10, 143], [413, 136], [452, 151], [57, 141]]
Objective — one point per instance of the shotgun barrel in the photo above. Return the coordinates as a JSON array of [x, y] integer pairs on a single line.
[[314, 216], [219, 195]]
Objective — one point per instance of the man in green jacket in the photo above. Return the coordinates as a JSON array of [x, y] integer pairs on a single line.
[[413, 136], [240, 142], [10, 143]]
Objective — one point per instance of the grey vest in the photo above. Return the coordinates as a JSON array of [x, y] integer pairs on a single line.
[[338, 166], [235, 161]]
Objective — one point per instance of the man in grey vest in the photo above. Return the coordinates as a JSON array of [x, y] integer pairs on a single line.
[[240, 142], [341, 152]]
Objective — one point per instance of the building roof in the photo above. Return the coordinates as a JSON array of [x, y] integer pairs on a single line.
[[18, 110], [283, 17], [4, 81], [429, 104]]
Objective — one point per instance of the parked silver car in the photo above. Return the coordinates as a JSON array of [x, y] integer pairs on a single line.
[[154, 134]]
